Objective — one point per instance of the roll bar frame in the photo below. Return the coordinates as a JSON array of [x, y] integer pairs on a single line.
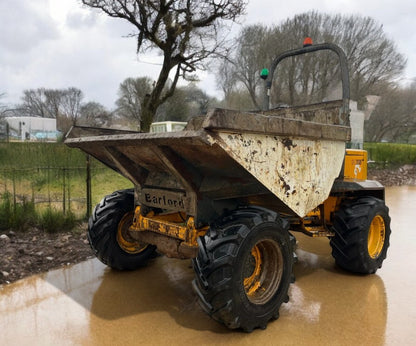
[[309, 49]]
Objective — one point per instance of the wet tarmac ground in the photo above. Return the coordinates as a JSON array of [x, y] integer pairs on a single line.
[[89, 304]]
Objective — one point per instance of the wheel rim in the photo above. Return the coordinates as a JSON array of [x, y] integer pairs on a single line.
[[263, 271], [124, 240], [376, 236]]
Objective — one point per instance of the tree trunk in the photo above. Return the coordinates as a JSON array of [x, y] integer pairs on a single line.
[[153, 100], [147, 114]]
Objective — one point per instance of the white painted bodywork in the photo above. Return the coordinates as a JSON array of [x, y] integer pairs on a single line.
[[300, 172]]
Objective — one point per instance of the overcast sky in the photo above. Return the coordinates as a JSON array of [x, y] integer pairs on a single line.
[[58, 44]]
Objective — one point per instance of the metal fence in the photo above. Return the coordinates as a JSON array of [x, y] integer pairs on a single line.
[[67, 189]]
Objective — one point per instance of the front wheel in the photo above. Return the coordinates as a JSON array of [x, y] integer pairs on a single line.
[[244, 269], [362, 235], [108, 233]]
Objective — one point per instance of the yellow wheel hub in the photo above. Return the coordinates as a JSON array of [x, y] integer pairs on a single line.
[[263, 271], [124, 240], [376, 236], [252, 283]]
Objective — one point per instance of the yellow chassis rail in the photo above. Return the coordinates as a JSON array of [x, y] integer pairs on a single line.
[[171, 226]]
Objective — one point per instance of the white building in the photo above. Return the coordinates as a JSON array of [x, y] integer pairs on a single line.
[[32, 128], [357, 126], [167, 126]]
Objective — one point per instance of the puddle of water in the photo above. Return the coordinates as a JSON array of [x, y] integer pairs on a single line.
[[399, 269], [92, 305], [45, 309]]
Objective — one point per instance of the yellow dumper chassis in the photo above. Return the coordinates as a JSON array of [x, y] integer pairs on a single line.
[[180, 235]]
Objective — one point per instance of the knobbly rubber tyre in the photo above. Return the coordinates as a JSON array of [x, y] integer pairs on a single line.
[[112, 215], [362, 235], [225, 268]]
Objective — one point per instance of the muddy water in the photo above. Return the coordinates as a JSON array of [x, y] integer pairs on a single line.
[[88, 304]]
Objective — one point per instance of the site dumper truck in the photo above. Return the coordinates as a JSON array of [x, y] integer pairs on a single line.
[[229, 191]]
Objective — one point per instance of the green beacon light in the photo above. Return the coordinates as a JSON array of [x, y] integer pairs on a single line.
[[264, 73]]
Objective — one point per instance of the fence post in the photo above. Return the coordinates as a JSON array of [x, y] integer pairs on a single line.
[[49, 185], [88, 181], [68, 181], [63, 191], [14, 190]]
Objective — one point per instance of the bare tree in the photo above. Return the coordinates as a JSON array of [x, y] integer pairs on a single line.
[[186, 102], [2, 106], [307, 78], [132, 93], [61, 104], [238, 99], [186, 32], [373, 58], [94, 114], [35, 103], [71, 104], [41, 102], [53, 101], [176, 108], [199, 100], [394, 117], [251, 56], [226, 78]]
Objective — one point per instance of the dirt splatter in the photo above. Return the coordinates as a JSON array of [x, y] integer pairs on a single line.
[[288, 143]]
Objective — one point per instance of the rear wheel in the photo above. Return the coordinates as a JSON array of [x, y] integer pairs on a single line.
[[108, 233], [244, 268], [362, 235]]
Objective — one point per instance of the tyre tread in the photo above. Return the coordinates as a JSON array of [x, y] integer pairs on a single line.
[[349, 245], [215, 294], [102, 230]]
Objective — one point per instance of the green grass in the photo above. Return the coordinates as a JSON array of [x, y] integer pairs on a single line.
[[53, 177], [52, 221], [391, 154], [29, 155], [19, 216], [16, 216]]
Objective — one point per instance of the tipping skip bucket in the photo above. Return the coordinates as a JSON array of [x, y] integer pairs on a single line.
[[289, 157]]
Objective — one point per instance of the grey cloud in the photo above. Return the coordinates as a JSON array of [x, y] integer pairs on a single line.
[[24, 26], [77, 20]]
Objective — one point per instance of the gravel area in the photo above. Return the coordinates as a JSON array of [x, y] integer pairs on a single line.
[[33, 251]]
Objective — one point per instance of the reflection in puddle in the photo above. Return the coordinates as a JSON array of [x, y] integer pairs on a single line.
[[345, 308], [307, 311], [42, 308]]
